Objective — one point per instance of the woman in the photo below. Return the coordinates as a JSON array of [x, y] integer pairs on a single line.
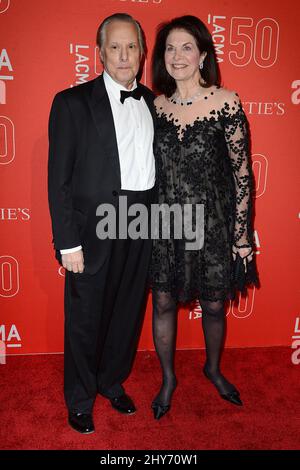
[[202, 157]]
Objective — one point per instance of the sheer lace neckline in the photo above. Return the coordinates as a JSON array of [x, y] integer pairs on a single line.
[[183, 118]]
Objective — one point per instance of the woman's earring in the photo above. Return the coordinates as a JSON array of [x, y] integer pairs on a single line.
[[201, 66]]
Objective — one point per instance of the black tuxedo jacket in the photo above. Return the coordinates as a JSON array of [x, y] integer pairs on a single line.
[[83, 167]]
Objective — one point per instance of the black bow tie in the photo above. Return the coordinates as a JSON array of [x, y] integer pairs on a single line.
[[136, 94]]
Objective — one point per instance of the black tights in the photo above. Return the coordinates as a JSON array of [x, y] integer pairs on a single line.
[[164, 334]]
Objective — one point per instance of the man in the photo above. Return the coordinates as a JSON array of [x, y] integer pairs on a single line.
[[101, 148]]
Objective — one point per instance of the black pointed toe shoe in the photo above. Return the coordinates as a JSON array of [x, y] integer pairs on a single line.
[[81, 422], [123, 404], [233, 396], [159, 410]]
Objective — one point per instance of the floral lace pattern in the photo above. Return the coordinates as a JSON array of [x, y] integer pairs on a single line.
[[204, 162]]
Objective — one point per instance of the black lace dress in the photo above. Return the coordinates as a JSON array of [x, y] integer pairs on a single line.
[[204, 162]]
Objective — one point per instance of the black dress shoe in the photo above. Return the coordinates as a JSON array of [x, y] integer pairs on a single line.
[[233, 396], [81, 422], [123, 404]]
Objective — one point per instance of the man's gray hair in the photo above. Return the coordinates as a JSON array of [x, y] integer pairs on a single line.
[[120, 17]]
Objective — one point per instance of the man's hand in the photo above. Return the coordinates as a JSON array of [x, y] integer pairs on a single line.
[[73, 261]]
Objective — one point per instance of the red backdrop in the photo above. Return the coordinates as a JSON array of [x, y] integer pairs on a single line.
[[50, 45]]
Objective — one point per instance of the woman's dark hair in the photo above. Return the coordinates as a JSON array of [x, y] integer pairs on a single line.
[[162, 81]]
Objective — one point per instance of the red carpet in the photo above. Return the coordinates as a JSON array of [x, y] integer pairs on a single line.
[[33, 415]]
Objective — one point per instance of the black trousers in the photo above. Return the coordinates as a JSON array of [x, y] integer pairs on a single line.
[[103, 318]]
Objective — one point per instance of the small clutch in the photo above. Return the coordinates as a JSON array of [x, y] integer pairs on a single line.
[[242, 276]]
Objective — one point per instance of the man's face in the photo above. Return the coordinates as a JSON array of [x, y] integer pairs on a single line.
[[120, 53]]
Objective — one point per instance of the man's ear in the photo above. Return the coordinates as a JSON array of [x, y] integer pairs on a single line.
[[101, 56]]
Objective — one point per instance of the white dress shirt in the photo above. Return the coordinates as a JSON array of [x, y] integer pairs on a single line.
[[134, 131]]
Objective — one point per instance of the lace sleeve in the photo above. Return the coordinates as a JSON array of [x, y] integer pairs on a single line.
[[237, 140]]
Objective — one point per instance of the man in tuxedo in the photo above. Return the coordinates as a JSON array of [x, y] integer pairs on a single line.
[[101, 148]]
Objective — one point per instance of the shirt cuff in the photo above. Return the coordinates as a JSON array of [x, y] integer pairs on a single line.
[[70, 250]]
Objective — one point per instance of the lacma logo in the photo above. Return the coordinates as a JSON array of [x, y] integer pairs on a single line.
[[82, 62], [2, 353], [296, 343], [5, 73], [10, 337]]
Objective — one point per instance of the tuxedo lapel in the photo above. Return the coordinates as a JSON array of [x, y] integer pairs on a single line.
[[103, 118]]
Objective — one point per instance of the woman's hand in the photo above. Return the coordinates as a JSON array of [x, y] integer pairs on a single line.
[[245, 253]]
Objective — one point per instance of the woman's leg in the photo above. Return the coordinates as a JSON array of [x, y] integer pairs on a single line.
[[213, 323], [164, 335]]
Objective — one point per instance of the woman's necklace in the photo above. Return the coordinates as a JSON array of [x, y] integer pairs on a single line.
[[188, 101]]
